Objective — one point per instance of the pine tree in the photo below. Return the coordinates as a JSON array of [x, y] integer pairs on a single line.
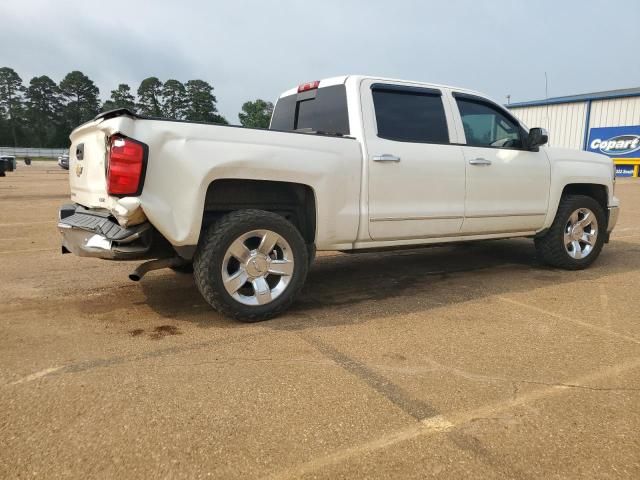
[[43, 110], [121, 97], [149, 94], [202, 103], [11, 90]]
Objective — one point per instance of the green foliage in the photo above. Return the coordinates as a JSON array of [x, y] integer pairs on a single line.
[[81, 95], [149, 94], [174, 100], [43, 114], [44, 109], [202, 103], [256, 114], [11, 100], [121, 97], [5, 132]]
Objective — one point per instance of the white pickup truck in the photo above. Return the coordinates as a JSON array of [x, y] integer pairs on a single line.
[[348, 163]]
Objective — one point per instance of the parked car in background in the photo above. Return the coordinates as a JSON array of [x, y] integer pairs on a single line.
[[349, 163], [63, 161], [10, 162]]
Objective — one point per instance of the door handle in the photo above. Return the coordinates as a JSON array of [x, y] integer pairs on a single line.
[[479, 161], [386, 157]]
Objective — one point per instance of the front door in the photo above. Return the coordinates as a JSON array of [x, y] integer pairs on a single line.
[[507, 184], [416, 178]]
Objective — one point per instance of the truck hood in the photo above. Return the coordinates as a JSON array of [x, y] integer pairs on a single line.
[[556, 154]]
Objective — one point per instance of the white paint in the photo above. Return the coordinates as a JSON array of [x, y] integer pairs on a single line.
[[435, 425], [569, 319], [432, 194], [36, 376]]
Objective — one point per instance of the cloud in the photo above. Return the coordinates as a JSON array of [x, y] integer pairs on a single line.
[[250, 49]]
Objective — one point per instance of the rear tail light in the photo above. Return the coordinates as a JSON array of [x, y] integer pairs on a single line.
[[126, 166], [308, 86]]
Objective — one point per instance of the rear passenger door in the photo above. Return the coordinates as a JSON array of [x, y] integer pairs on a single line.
[[416, 178]]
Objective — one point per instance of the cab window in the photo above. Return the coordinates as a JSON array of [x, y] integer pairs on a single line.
[[487, 126], [410, 114]]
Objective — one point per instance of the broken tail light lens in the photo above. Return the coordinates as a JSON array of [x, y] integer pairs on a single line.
[[126, 166]]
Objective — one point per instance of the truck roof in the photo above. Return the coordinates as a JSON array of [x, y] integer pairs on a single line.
[[327, 82]]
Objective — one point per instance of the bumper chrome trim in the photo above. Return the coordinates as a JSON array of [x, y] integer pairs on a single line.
[[92, 241]]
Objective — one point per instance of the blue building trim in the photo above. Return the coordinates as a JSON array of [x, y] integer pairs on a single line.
[[587, 121], [586, 97]]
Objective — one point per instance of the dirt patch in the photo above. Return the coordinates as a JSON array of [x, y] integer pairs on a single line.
[[164, 331]]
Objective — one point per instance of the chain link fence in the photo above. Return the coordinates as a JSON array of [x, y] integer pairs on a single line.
[[22, 152]]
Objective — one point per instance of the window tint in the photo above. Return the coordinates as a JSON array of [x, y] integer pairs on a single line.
[[412, 115], [323, 110], [487, 126], [284, 113]]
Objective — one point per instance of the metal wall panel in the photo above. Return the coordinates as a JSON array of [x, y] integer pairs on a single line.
[[618, 112], [565, 122]]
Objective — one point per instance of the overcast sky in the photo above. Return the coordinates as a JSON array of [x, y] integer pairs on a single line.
[[258, 48]]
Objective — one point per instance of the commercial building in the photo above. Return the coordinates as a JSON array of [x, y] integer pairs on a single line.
[[604, 122]]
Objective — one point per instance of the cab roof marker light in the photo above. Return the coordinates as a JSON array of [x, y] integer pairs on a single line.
[[308, 86]]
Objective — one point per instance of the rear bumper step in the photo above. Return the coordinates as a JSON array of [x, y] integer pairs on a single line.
[[94, 233]]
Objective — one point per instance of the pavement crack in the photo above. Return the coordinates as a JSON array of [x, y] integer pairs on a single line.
[[583, 387], [515, 390], [249, 359]]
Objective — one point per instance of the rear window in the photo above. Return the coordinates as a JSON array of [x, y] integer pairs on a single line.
[[410, 114], [323, 110]]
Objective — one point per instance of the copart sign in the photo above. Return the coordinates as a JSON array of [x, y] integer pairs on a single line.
[[616, 142]]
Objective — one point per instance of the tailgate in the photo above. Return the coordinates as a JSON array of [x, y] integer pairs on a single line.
[[88, 165]]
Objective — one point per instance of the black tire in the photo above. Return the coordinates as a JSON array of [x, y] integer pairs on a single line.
[[311, 253], [550, 247], [209, 257]]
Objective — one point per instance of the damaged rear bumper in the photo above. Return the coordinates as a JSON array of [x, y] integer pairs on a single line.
[[94, 233]]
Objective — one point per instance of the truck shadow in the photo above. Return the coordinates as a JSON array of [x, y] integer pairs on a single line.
[[346, 289]]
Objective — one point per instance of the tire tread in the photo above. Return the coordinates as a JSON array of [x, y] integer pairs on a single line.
[[213, 243], [550, 247]]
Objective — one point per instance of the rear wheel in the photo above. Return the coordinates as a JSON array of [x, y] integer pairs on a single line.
[[576, 236], [311, 253], [251, 264]]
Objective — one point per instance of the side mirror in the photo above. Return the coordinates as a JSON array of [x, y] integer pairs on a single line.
[[537, 136]]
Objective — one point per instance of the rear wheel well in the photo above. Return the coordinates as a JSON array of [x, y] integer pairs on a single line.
[[294, 201], [597, 192]]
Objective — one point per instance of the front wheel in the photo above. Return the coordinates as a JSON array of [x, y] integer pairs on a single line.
[[251, 264], [576, 237]]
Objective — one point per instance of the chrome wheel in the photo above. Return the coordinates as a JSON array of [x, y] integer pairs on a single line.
[[580, 233], [257, 267]]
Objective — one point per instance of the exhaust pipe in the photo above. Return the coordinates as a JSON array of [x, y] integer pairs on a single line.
[[146, 267]]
